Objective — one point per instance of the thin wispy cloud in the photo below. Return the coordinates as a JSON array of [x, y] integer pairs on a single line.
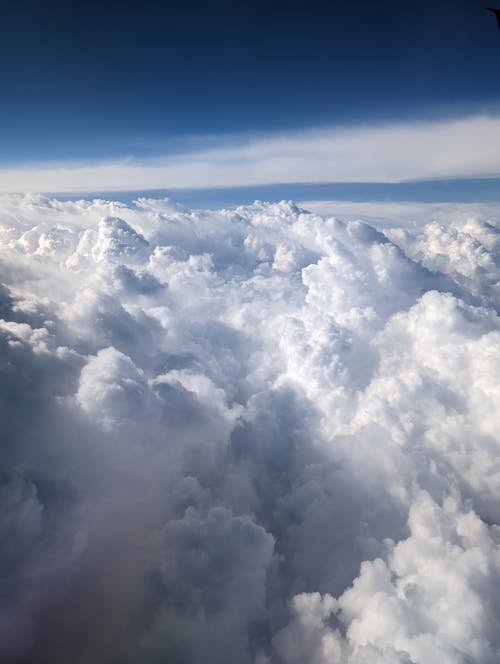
[[465, 148]]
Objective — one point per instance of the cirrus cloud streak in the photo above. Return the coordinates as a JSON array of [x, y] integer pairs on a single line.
[[458, 148]]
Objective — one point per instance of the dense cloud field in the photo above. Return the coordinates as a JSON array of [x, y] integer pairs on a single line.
[[247, 436]]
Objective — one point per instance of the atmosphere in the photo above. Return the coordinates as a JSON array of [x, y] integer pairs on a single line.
[[249, 332], [93, 81]]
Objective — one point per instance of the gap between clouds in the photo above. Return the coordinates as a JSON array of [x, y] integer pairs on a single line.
[[392, 153]]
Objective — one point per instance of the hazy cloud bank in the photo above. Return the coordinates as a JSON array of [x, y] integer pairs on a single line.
[[458, 148], [256, 436]]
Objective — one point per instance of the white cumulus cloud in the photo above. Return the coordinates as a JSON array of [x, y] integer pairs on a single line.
[[260, 435]]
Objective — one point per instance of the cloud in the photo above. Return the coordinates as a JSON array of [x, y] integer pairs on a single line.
[[425, 602], [392, 214], [260, 435], [459, 148]]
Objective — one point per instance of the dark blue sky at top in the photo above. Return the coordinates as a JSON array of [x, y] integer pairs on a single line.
[[107, 78]]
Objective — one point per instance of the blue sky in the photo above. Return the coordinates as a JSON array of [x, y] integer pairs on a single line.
[[92, 82]]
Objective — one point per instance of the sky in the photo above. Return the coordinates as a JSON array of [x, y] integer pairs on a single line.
[[249, 333], [101, 84]]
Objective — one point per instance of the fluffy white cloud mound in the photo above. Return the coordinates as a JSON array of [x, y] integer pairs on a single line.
[[425, 603], [258, 435]]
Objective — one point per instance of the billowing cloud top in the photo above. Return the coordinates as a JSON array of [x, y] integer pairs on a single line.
[[256, 436]]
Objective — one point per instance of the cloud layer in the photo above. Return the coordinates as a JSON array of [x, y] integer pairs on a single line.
[[256, 435], [462, 148]]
